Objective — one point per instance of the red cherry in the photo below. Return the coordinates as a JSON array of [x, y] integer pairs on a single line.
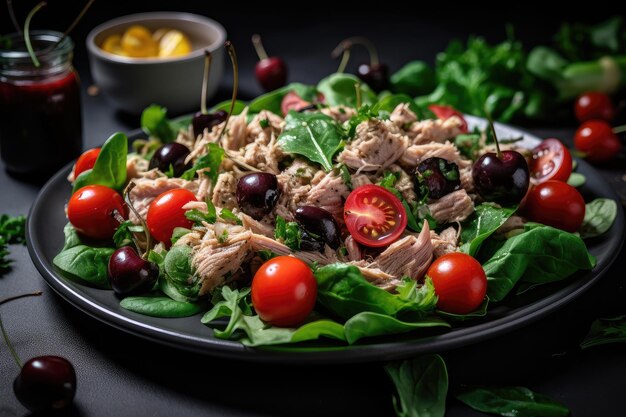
[[270, 71]]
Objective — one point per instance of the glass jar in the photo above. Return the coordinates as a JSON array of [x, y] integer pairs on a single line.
[[40, 111]]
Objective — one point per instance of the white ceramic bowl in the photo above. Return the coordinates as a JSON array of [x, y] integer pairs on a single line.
[[132, 84]]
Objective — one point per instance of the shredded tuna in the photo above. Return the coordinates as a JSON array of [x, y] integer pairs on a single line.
[[358, 180], [295, 184], [146, 190], [418, 153], [353, 248], [274, 123], [262, 154], [256, 226], [236, 135], [444, 242], [402, 116], [409, 256], [453, 207], [404, 184], [437, 130], [329, 194], [375, 148], [467, 180], [376, 276], [339, 113], [225, 191], [260, 242]]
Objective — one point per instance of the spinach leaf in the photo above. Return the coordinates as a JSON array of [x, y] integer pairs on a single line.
[[512, 401], [340, 90], [256, 332], [546, 63], [576, 180], [415, 78], [485, 220], [177, 264], [225, 106], [421, 385], [123, 236], [71, 237], [178, 288], [605, 331], [599, 217], [110, 167], [313, 135], [87, 263], [154, 122], [370, 324], [539, 255], [386, 105], [160, 307], [212, 160], [343, 290], [288, 233], [481, 311]]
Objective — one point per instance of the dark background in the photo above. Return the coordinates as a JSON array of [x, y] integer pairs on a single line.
[[119, 374]]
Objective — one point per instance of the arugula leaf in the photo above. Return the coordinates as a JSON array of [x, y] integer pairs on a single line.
[[110, 167], [85, 262], [176, 278], [156, 306], [605, 331], [154, 122], [339, 90], [539, 255], [123, 236], [415, 78], [198, 216], [343, 290], [312, 135], [288, 233], [600, 215], [512, 401], [421, 385], [212, 160], [485, 220]]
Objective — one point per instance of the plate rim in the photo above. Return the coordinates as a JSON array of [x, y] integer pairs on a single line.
[[371, 352]]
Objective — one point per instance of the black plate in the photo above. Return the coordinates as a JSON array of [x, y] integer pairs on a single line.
[[45, 239]]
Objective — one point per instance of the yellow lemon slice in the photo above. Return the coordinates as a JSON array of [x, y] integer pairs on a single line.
[[137, 42], [158, 34], [174, 43], [113, 45]]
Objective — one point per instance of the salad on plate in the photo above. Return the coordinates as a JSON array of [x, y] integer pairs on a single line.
[[324, 212]]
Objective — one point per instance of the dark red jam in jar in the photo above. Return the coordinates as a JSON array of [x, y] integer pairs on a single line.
[[40, 111]]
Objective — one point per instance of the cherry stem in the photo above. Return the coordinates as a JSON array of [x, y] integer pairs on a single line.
[[4, 332], [357, 87], [146, 232], [619, 129], [29, 46], [119, 219], [358, 40], [74, 23], [495, 137], [345, 57], [16, 25], [233, 58], [258, 47], [205, 80]]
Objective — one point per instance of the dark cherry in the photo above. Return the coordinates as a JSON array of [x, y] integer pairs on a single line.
[[173, 154], [310, 242], [501, 179], [271, 73], [319, 222], [46, 383], [129, 273], [257, 194], [376, 76], [203, 121], [439, 176]]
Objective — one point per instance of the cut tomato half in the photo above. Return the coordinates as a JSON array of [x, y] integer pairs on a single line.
[[551, 161], [446, 112], [374, 216]]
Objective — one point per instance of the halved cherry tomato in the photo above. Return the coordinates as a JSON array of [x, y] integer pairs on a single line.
[[374, 217], [460, 282], [166, 213], [292, 101], [284, 291], [556, 204], [594, 105], [551, 161], [597, 141], [89, 211], [445, 112], [86, 161]]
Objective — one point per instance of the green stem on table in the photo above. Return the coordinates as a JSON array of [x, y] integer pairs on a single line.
[[4, 332]]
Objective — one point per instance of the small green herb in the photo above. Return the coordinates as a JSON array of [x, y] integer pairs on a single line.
[[264, 123], [223, 237], [124, 234], [155, 123], [288, 233], [266, 254], [211, 160], [229, 216], [345, 176], [178, 233]]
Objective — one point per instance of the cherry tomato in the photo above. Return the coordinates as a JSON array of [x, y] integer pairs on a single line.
[[284, 291], [166, 213], [551, 161], [86, 161], [594, 105], [374, 217], [460, 282], [445, 112], [597, 141], [555, 204], [292, 101], [89, 211]]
